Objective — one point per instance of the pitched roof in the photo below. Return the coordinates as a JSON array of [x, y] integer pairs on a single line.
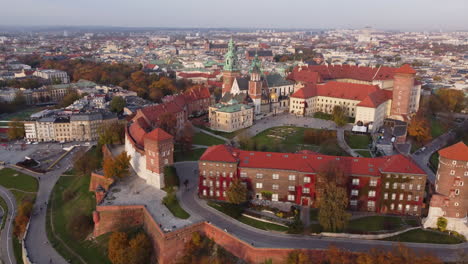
[[311, 162], [406, 68], [328, 72], [457, 151], [376, 98], [158, 134]]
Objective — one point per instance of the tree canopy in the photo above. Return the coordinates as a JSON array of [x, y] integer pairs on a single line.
[[237, 192], [117, 104], [116, 167]]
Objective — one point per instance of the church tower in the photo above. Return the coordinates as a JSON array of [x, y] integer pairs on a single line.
[[255, 84], [231, 67]]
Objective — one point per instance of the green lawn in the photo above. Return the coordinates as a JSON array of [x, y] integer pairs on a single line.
[[201, 138], [70, 198], [174, 206], [373, 224], [4, 206], [364, 153], [193, 155], [262, 225], [434, 160], [235, 212], [17, 250], [437, 128], [10, 178], [291, 139], [425, 236], [228, 135], [357, 141]]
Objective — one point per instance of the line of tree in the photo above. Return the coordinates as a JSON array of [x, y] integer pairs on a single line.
[[124, 249]]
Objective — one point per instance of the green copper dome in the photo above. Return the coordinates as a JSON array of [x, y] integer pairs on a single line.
[[230, 59]]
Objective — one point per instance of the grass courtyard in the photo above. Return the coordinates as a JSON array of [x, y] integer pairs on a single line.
[[357, 141], [71, 200], [425, 236], [374, 224], [201, 138], [292, 139], [193, 155]]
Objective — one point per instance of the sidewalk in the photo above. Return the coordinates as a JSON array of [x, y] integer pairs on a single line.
[[343, 144]]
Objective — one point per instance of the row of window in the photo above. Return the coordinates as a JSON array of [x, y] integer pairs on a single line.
[[372, 182], [409, 197], [356, 193], [452, 172], [402, 186], [217, 164], [212, 173]]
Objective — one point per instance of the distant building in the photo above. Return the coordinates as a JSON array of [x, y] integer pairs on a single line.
[[451, 198], [53, 75], [263, 55], [231, 116], [217, 48]]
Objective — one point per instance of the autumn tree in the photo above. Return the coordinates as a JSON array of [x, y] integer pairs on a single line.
[[339, 116], [168, 123], [19, 99], [453, 100], [116, 167], [419, 128], [297, 257], [117, 104], [69, 98], [334, 255], [442, 224], [117, 248], [185, 139], [112, 133], [15, 129], [140, 249], [237, 192], [332, 214], [22, 218], [84, 163]]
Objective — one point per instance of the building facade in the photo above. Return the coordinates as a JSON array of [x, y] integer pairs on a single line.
[[230, 117], [52, 75], [391, 184], [451, 198]]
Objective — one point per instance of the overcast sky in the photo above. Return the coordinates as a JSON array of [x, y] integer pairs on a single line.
[[380, 14]]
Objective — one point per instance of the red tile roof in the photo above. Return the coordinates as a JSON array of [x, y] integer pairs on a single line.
[[137, 133], [327, 72], [158, 135], [405, 69], [458, 151], [311, 162], [376, 98]]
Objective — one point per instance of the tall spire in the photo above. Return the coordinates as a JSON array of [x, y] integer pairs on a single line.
[[230, 59], [256, 65]]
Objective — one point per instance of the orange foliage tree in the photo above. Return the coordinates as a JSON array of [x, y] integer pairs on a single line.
[[22, 218], [420, 129], [122, 250], [116, 167]]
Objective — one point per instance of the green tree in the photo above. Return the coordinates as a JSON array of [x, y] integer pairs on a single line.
[[339, 116], [117, 104], [332, 214], [69, 98], [237, 192], [442, 224], [15, 129]]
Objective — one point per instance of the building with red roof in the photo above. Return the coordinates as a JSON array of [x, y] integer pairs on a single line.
[[150, 147], [451, 198], [366, 94], [390, 184]]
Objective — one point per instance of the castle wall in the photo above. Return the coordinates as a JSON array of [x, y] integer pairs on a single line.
[[169, 247]]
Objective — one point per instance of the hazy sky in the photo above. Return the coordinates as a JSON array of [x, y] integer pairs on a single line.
[[381, 14]]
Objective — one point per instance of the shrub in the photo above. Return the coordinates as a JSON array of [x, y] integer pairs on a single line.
[[442, 224]]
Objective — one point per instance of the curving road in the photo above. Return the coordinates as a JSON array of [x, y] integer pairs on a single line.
[[260, 238], [6, 244]]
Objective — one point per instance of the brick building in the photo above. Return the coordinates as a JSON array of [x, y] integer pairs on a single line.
[[150, 147], [451, 198], [391, 184]]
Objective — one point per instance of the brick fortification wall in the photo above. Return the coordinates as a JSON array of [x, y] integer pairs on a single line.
[[169, 247]]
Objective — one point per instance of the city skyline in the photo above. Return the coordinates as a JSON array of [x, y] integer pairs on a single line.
[[396, 15]]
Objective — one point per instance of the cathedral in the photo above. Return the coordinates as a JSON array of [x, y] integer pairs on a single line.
[[267, 93]]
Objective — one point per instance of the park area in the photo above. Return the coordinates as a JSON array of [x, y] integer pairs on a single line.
[[293, 139]]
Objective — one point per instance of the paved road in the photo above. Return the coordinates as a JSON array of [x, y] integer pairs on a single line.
[[37, 243], [260, 238], [6, 244], [421, 157]]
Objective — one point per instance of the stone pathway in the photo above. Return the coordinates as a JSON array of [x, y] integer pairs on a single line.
[[342, 142]]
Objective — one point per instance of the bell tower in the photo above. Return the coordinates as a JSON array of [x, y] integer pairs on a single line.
[[255, 84], [231, 67], [403, 83]]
